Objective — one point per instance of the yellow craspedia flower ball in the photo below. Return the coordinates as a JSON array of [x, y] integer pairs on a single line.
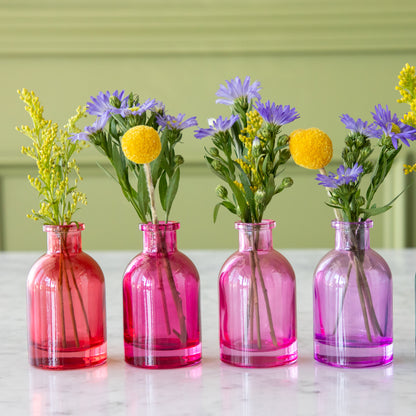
[[141, 144], [310, 148]]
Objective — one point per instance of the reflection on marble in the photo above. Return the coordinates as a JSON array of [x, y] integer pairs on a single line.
[[210, 388]]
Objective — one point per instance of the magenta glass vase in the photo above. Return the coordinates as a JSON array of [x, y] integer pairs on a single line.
[[66, 304], [257, 302], [353, 301], [161, 303]]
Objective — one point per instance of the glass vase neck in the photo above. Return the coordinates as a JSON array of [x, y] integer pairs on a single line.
[[352, 236], [255, 236], [64, 238], [159, 237]]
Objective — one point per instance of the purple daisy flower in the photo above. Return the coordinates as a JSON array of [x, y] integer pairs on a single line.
[[216, 126], [343, 176], [101, 107], [88, 130], [175, 123], [236, 89], [158, 107], [138, 110], [276, 114], [358, 126], [388, 125]]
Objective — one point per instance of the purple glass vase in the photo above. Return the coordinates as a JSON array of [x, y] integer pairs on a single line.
[[161, 303], [66, 304], [257, 302], [353, 301]]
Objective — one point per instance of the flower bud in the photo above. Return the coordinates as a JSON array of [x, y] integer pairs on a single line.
[[259, 196], [256, 147], [386, 141], [283, 140], [360, 201], [360, 142], [130, 102], [349, 141], [221, 191], [114, 101], [284, 156], [366, 152], [287, 182], [178, 160], [216, 165], [350, 159], [213, 151]]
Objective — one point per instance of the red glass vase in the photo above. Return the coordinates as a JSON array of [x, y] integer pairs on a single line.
[[161, 303], [66, 304], [257, 302]]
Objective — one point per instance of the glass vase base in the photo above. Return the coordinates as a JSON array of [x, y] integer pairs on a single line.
[[68, 359], [353, 357], [259, 359], [163, 358]]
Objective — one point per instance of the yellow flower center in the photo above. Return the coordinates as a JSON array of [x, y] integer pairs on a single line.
[[141, 144], [395, 128], [310, 148]]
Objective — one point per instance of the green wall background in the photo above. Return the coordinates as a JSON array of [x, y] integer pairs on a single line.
[[323, 57]]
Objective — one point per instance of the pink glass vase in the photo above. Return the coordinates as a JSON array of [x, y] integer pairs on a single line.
[[66, 304], [257, 302], [353, 301], [161, 303]]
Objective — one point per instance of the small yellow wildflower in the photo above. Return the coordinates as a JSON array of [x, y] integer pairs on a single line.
[[409, 169], [141, 144], [310, 148]]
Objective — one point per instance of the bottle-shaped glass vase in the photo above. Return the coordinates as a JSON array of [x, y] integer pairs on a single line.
[[161, 303], [257, 302], [353, 301], [66, 304]]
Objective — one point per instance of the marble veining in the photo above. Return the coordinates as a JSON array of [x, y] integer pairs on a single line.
[[210, 388]]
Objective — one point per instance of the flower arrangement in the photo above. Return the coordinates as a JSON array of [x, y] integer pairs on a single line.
[[344, 186], [56, 184], [138, 138], [249, 149], [351, 202], [58, 172], [248, 152], [139, 141], [407, 89]]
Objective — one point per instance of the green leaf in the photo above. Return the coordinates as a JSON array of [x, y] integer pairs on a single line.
[[241, 201], [216, 209], [227, 204], [163, 186], [107, 172], [171, 191], [371, 212], [249, 193], [143, 199]]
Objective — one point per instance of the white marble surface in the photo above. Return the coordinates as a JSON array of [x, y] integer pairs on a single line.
[[210, 388]]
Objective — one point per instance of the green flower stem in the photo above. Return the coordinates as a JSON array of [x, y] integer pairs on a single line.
[[162, 244], [255, 308], [343, 297], [367, 296], [61, 295], [151, 189], [71, 304], [265, 294], [81, 301]]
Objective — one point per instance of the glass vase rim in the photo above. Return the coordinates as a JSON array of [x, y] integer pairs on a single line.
[[248, 226], [345, 224], [161, 225], [64, 228]]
